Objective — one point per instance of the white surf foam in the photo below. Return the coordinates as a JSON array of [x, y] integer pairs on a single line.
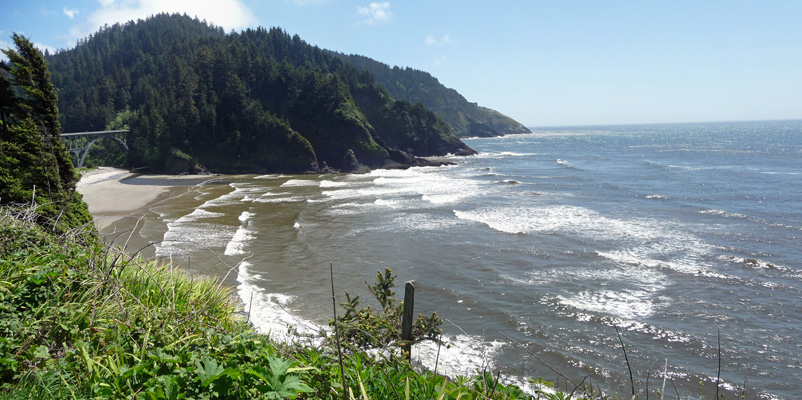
[[723, 213], [637, 293], [529, 220], [656, 332], [189, 232], [368, 192], [237, 243], [185, 237], [245, 216], [642, 242], [439, 189], [270, 313], [200, 213], [427, 184], [241, 238], [581, 222], [395, 204], [236, 196], [337, 184], [503, 154], [630, 304], [301, 183], [463, 356], [424, 222], [640, 258], [780, 173], [279, 199]]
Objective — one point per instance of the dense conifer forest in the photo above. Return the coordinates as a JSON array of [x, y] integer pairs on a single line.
[[195, 97]]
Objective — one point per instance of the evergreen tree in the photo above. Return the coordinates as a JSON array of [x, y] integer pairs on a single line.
[[34, 164], [8, 106]]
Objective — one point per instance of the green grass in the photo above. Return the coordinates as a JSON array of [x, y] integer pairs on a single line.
[[79, 320]]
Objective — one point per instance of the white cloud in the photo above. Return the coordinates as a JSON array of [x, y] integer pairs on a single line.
[[70, 12], [4, 45], [43, 47], [376, 13], [75, 33], [440, 60], [228, 14], [432, 41]]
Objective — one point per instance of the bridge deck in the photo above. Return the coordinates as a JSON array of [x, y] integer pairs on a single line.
[[91, 133]]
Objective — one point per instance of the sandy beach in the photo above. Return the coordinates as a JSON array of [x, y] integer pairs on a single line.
[[114, 193]]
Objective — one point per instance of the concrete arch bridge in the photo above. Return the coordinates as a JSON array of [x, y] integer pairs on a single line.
[[78, 143]]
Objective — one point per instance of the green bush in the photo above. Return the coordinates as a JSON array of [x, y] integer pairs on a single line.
[[367, 328]]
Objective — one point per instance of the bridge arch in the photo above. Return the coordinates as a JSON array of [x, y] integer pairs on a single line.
[[79, 143], [85, 151]]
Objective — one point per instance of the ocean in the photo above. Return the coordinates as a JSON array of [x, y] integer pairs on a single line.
[[536, 250]]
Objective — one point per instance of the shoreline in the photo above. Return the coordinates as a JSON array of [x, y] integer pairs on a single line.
[[113, 193]]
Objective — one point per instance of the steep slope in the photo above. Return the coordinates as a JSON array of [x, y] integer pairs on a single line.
[[256, 101], [465, 118]]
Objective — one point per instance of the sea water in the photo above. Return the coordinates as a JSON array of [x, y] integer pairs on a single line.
[[536, 250]]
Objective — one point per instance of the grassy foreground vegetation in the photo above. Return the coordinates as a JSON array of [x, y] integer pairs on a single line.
[[80, 320]]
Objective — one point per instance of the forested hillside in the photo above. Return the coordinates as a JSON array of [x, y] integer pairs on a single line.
[[465, 118], [256, 101]]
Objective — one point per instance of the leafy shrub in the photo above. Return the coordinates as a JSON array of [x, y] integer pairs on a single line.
[[367, 328]]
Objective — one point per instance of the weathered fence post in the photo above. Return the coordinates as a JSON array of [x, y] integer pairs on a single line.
[[337, 333], [407, 317]]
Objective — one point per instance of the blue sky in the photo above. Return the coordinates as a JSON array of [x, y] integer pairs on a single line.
[[544, 63]]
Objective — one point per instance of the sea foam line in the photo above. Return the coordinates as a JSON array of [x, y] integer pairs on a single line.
[[268, 312], [242, 236], [271, 313], [190, 232], [300, 183]]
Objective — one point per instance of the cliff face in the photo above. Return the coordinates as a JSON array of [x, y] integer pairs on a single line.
[[256, 101]]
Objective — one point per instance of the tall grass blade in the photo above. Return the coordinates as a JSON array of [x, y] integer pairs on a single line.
[[629, 367]]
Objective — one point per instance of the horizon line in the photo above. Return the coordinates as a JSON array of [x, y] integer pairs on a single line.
[[661, 123]]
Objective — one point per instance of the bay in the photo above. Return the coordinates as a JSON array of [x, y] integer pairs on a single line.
[[536, 249]]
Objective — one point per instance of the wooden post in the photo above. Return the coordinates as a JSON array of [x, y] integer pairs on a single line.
[[407, 317], [337, 333]]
